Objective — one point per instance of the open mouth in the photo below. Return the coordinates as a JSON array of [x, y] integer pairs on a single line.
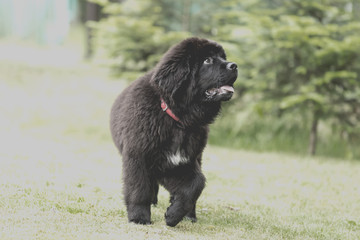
[[226, 89]]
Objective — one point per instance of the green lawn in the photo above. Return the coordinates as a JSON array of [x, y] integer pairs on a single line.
[[60, 173]]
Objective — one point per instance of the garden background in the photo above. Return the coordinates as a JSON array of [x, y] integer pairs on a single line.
[[62, 64]]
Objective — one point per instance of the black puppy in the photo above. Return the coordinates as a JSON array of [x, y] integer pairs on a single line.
[[160, 126]]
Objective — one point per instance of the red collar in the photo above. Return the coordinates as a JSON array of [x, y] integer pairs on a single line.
[[166, 109]]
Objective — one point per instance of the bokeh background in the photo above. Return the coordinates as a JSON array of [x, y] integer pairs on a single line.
[[63, 62], [298, 89]]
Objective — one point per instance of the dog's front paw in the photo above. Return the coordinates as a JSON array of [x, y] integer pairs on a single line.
[[172, 218], [171, 221]]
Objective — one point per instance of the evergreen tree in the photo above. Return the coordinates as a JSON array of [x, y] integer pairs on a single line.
[[298, 58], [308, 59], [136, 33]]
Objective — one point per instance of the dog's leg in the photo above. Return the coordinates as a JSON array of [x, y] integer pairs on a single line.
[[185, 190], [138, 191]]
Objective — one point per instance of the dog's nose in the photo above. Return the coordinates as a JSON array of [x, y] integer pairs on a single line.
[[231, 66]]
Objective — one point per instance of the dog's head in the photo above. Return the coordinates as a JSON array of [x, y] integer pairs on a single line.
[[195, 70]]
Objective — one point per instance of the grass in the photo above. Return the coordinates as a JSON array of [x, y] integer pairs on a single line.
[[60, 175], [267, 133]]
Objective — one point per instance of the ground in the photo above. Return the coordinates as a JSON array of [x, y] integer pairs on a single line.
[[60, 175]]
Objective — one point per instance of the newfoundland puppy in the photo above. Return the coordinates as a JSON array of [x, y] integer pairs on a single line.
[[160, 126]]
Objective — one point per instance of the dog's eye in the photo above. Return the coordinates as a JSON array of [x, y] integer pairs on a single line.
[[208, 61]]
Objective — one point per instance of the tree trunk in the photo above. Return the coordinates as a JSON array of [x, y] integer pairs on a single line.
[[92, 13], [313, 135]]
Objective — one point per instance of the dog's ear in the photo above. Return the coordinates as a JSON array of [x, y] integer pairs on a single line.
[[172, 72]]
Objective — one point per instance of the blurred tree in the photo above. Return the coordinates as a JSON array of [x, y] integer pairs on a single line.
[[135, 34], [308, 59], [192, 16], [131, 38], [298, 58]]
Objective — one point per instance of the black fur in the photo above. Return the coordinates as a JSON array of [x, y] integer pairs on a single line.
[[147, 137]]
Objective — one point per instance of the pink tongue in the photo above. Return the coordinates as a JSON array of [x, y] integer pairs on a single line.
[[227, 88]]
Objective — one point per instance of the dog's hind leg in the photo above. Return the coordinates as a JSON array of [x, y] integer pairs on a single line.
[[138, 191]]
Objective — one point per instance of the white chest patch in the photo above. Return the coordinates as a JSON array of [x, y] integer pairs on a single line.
[[177, 158]]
